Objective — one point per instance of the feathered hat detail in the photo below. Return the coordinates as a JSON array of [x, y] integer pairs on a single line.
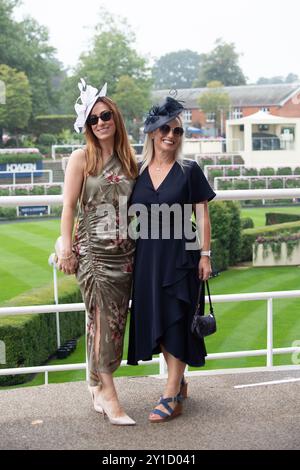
[[85, 102]]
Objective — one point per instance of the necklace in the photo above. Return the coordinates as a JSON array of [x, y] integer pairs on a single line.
[[159, 168]]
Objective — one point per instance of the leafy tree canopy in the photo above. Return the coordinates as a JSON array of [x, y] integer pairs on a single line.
[[221, 64], [176, 69]]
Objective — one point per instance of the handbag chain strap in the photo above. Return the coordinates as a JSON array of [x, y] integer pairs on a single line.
[[199, 296]]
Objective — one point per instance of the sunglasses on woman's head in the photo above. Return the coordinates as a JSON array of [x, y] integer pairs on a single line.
[[165, 129], [104, 116]]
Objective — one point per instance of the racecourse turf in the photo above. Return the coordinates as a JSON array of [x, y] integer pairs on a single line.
[[24, 252]]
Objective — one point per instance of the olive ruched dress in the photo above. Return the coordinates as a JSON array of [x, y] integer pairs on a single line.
[[105, 267], [165, 279]]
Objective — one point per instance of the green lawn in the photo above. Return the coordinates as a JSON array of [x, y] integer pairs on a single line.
[[258, 213], [24, 251]]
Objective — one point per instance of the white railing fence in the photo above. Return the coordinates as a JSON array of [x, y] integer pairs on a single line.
[[269, 351]]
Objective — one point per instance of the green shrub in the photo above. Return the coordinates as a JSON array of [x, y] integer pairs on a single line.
[[247, 222], [224, 184], [297, 170], [268, 171], [21, 192], [11, 143], [292, 183], [20, 157], [7, 212], [215, 173], [249, 236], [52, 124], [206, 161], [275, 183], [223, 161], [250, 171], [220, 259], [4, 192], [31, 339], [37, 190], [241, 184], [232, 172], [47, 139], [258, 184], [235, 232], [274, 218], [226, 232], [54, 190], [286, 170]]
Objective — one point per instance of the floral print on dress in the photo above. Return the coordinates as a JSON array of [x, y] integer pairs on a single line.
[[105, 269]]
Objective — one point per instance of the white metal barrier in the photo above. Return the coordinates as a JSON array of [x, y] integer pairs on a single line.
[[31, 172], [269, 352], [70, 146], [249, 179]]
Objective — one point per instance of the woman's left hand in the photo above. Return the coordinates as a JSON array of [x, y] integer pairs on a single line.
[[204, 268]]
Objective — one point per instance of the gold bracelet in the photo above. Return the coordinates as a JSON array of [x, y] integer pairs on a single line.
[[67, 257]]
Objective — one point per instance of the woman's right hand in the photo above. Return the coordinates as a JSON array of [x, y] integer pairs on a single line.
[[68, 265]]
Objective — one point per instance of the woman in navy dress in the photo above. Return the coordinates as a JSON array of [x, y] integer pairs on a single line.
[[168, 262]]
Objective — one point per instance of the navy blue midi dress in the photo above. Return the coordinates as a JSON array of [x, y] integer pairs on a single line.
[[165, 276]]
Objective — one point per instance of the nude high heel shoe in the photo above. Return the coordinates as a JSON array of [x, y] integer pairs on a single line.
[[124, 420], [95, 400]]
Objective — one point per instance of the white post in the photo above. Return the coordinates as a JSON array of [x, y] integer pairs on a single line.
[[51, 262], [270, 333], [56, 302], [46, 378], [162, 365]]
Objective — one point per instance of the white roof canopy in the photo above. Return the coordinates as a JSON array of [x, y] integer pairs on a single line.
[[262, 117]]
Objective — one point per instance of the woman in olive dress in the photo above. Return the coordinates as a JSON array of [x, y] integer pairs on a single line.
[[167, 271], [101, 256]]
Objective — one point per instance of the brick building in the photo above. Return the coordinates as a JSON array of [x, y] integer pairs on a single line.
[[279, 100]]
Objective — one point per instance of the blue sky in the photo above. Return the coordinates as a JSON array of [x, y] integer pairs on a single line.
[[263, 30]]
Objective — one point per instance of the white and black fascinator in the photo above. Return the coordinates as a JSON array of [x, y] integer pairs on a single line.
[[88, 97], [159, 115]]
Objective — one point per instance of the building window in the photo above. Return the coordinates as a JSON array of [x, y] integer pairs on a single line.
[[237, 113], [187, 115], [265, 110], [210, 117]]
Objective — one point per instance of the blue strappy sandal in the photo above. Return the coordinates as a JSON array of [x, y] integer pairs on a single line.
[[170, 412]]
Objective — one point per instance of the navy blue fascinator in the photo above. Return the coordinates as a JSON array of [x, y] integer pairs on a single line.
[[159, 115]]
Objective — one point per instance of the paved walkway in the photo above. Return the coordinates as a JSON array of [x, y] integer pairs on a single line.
[[216, 416]]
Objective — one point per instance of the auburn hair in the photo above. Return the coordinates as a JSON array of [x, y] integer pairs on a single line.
[[122, 146]]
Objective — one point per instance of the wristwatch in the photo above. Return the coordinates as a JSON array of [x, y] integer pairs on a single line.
[[206, 253]]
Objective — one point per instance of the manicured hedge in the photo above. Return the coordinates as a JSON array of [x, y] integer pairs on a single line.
[[20, 157], [249, 236], [53, 124], [31, 339], [273, 218], [226, 229]]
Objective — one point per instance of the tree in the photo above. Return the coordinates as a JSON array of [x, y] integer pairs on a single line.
[[221, 64], [215, 101], [25, 47], [290, 78], [176, 69], [112, 58], [132, 98], [15, 113]]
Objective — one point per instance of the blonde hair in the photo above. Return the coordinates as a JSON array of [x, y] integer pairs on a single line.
[[122, 146], [148, 151]]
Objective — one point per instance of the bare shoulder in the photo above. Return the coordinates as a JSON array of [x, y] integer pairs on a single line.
[[77, 159]]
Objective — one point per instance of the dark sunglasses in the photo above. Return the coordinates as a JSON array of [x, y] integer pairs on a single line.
[[165, 129], [104, 116]]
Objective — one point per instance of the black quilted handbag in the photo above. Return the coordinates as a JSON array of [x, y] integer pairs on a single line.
[[203, 325]]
